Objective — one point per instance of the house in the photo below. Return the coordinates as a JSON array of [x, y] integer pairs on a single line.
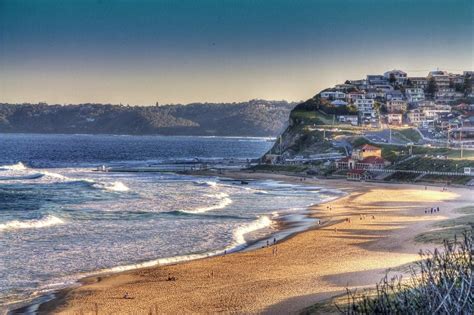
[[358, 175], [419, 82], [440, 77], [396, 106], [415, 95], [365, 106], [353, 96], [374, 93], [333, 95], [348, 119], [395, 119], [433, 113], [399, 76], [394, 95], [447, 94], [365, 158], [338, 103], [415, 116], [376, 80], [383, 87], [456, 79], [365, 151], [344, 87]]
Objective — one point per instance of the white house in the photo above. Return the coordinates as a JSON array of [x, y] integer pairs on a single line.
[[339, 103], [419, 82], [415, 116], [415, 95], [348, 119], [397, 106], [375, 79], [352, 96], [395, 119], [395, 95], [365, 106], [333, 95], [399, 75], [441, 78]]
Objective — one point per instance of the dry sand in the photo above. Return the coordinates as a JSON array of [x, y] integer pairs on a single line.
[[309, 267]]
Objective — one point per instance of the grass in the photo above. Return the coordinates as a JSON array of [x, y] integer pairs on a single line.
[[280, 168], [309, 117], [447, 229], [410, 134], [432, 164]]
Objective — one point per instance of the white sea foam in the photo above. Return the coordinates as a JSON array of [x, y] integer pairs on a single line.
[[113, 186], [239, 243], [15, 167], [206, 183], [261, 223], [31, 224], [223, 201]]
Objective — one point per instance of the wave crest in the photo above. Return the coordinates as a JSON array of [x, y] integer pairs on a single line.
[[15, 167], [114, 186], [47, 221]]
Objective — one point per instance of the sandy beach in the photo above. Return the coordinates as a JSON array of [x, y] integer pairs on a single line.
[[293, 274]]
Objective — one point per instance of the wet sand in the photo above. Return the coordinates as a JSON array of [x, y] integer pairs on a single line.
[[291, 275]]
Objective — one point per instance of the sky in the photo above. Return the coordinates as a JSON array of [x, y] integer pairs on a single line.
[[140, 52]]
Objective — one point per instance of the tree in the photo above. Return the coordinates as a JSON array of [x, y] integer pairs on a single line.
[[468, 85], [392, 79], [432, 87]]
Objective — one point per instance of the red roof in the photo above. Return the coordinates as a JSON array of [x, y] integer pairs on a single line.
[[346, 159], [368, 147], [373, 160]]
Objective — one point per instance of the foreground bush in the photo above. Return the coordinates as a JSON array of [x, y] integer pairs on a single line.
[[441, 283]]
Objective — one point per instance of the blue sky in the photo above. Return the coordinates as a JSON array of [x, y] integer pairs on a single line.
[[141, 52]]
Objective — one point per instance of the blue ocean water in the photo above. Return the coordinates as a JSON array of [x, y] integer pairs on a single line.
[[61, 220]]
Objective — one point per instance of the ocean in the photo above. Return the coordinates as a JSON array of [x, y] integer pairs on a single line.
[[61, 220]]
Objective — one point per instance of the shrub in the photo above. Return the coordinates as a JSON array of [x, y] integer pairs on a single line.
[[441, 283]]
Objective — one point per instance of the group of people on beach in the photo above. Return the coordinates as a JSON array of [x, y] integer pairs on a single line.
[[274, 247], [432, 210]]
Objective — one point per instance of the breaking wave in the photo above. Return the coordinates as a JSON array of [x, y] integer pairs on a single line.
[[114, 186], [239, 243], [261, 223], [223, 202], [15, 167], [32, 224]]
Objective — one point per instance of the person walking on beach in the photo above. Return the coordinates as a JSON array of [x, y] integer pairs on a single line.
[[274, 240]]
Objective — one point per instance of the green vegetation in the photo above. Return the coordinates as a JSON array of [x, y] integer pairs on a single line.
[[431, 164], [441, 283], [448, 229], [410, 134], [459, 180], [401, 177], [280, 168], [308, 117]]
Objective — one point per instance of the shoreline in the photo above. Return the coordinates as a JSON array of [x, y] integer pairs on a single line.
[[66, 296], [286, 228]]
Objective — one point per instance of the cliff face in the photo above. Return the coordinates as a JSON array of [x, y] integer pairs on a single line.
[[309, 129]]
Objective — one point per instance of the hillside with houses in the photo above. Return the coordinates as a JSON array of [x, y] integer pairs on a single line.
[[388, 126]]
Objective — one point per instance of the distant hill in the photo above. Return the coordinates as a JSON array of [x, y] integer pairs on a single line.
[[252, 118]]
